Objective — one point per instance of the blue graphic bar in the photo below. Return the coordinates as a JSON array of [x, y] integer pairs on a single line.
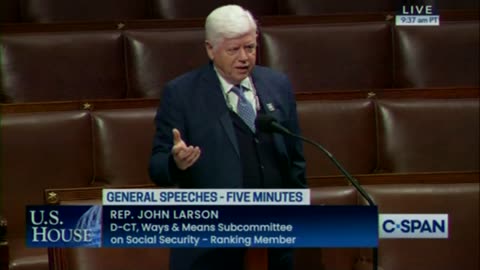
[[203, 226]]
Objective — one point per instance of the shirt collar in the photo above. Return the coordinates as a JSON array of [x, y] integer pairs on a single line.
[[226, 86]]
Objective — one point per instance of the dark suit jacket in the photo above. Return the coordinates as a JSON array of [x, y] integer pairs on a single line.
[[194, 103]]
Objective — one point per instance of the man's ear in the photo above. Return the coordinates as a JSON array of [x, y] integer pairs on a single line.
[[209, 49]]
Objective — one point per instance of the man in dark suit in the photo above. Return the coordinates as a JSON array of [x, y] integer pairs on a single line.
[[205, 135]]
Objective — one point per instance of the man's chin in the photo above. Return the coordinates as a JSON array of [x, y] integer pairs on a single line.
[[240, 76]]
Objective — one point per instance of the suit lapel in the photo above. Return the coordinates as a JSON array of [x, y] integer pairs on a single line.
[[265, 95], [217, 107], [263, 92]]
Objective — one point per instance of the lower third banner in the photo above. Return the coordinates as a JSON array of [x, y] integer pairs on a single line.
[[202, 226]]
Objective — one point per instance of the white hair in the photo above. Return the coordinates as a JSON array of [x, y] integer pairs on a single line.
[[230, 21]]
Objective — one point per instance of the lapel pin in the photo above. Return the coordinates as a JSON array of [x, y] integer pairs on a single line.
[[270, 107]]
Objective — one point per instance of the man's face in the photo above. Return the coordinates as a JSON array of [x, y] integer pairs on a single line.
[[234, 58]]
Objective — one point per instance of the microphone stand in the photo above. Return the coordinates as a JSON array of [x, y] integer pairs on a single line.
[[349, 177]]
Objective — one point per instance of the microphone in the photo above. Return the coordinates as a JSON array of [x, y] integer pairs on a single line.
[[269, 124]]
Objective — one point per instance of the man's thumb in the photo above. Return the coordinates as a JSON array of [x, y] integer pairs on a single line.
[[176, 136]]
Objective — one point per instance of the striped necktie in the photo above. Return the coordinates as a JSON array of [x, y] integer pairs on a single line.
[[244, 108]]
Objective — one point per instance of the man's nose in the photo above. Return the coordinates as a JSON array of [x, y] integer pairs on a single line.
[[242, 54]]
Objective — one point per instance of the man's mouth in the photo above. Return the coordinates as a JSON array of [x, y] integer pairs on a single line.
[[243, 68]]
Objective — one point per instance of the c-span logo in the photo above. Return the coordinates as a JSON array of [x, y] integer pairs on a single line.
[[413, 226]]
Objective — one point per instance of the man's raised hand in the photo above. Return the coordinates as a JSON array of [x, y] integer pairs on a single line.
[[183, 155]]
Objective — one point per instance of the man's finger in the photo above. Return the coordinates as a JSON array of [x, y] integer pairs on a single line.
[[184, 153], [193, 157]]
